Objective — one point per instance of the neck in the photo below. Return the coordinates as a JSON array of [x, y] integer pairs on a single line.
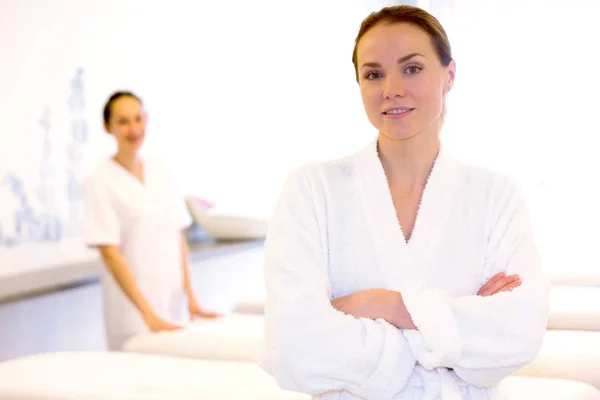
[[408, 163], [129, 160]]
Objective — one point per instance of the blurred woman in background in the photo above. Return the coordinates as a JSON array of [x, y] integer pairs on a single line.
[[135, 218]]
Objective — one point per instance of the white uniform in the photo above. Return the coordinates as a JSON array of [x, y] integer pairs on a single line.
[[335, 233], [145, 220]]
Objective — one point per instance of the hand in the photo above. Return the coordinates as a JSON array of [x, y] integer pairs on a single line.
[[375, 304], [157, 324], [197, 312], [500, 283]]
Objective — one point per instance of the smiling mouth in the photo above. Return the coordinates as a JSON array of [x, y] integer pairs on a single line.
[[397, 112]]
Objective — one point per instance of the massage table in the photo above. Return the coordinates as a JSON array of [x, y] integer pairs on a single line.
[[250, 307], [568, 354], [564, 354], [575, 308], [528, 388], [580, 280], [234, 337], [128, 376]]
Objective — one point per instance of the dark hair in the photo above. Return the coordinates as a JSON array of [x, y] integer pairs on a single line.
[[411, 15], [114, 97]]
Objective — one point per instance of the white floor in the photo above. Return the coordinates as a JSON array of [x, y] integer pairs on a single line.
[[72, 319]]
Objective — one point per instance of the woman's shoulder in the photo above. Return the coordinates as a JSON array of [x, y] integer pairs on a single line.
[[338, 168], [497, 186], [325, 172], [99, 172]]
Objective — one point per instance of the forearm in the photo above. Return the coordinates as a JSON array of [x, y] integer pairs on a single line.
[[121, 272], [376, 304], [395, 311]]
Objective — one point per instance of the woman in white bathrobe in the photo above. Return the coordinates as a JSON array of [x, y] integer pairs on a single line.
[[367, 299], [135, 217]]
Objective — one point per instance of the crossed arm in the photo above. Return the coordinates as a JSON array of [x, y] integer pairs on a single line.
[[388, 305], [368, 343]]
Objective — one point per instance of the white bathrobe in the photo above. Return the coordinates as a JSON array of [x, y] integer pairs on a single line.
[[335, 233]]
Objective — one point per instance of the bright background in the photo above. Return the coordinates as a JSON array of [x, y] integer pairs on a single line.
[[241, 92]]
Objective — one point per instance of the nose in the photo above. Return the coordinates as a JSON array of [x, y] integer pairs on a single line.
[[135, 127], [393, 86]]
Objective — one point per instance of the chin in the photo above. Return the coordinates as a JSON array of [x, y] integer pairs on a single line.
[[134, 147], [397, 135]]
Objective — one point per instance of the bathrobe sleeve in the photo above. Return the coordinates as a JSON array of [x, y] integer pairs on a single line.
[[485, 339], [311, 347]]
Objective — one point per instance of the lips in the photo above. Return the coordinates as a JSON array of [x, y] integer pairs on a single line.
[[397, 110]]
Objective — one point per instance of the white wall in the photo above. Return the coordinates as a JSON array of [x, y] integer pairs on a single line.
[[241, 92], [525, 102], [238, 93]]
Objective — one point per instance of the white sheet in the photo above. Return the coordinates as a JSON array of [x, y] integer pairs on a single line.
[[256, 307], [581, 280], [127, 376], [523, 388], [234, 337], [564, 354], [573, 307], [568, 355]]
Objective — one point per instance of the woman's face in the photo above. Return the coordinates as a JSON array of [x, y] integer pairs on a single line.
[[402, 81], [127, 123]]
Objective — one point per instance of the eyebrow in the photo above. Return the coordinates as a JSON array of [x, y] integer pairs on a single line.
[[400, 60]]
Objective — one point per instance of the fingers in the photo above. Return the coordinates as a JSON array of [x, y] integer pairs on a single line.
[[165, 326], [498, 283], [199, 313], [206, 314], [486, 288], [510, 287], [505, 282], [171, 327]]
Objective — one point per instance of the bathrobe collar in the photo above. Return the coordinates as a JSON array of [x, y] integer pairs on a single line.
[[393, 251]]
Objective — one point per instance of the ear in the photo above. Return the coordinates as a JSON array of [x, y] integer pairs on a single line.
[[451, 68]]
